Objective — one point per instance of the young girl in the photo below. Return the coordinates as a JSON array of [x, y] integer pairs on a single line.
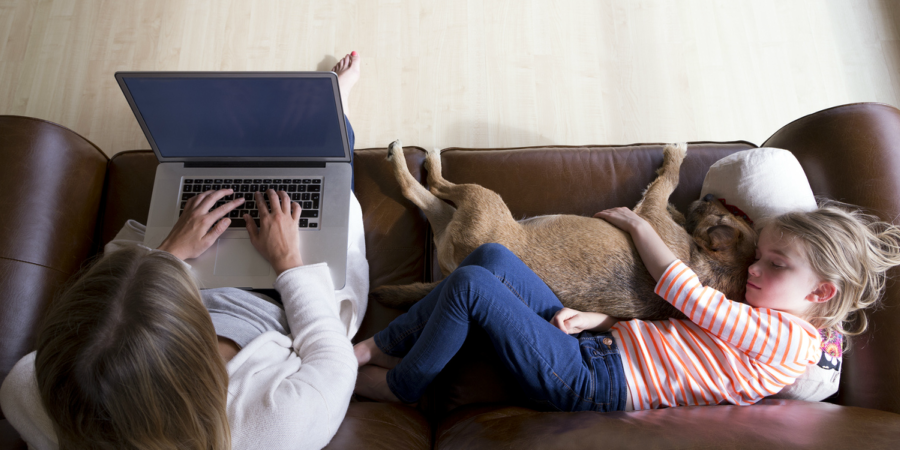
[[815, 270]]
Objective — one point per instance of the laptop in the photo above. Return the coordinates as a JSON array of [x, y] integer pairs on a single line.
[[248, 131]]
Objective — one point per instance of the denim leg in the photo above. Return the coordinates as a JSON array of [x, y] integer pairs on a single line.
[[549, 364], [352, 138], [401, 334]]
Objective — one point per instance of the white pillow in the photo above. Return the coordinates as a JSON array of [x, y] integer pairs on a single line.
[[766, 182], [760, 182]]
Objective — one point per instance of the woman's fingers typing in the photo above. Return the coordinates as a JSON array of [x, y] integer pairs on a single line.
[[200, 224], [277, 238]]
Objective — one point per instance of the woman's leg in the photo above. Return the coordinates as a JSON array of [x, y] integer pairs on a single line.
[[347, 70], [401, 334], [352, 138]]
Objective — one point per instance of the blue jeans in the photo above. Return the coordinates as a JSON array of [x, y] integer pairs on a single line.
[[351, 136], [494, 290]]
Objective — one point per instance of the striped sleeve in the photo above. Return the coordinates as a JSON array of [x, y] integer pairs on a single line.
[[784, 343]]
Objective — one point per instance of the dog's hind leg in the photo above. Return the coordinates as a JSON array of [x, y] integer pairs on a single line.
[[481, 217], [656, 198], [438, 212]]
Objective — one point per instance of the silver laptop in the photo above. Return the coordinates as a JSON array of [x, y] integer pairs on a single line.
[[248, 131]]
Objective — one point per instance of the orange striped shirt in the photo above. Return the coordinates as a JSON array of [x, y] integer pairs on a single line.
[[727, 351]]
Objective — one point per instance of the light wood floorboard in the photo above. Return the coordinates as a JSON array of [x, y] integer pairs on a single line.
[[472, 73]]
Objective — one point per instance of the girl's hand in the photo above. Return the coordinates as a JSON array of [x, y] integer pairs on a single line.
[[278, 237], [623, 218], [194, 232], [655, 254], [571, 321]]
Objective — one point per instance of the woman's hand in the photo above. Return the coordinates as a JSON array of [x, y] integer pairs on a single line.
[[572, 321], [623, 218], [194, 232], [278, 237]]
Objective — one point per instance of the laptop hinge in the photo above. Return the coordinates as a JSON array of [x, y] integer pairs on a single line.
[[254, 164]]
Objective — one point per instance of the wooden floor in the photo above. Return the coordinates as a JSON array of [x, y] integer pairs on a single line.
[[472, 73]]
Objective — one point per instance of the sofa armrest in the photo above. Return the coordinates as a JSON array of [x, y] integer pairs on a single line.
[[850, 154], [52, 182]]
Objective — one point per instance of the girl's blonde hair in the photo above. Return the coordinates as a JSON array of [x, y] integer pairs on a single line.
[[849, 248], [127, 358]]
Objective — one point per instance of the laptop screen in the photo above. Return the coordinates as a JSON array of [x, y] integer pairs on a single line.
[[215, 116]]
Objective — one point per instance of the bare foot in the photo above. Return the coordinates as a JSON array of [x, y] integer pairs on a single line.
[[347, 70], [371, 382], [369, 353]]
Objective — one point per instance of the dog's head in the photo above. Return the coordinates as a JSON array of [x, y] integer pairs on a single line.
[[725, 242]]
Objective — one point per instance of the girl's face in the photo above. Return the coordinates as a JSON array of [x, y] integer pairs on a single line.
[[781, 277]]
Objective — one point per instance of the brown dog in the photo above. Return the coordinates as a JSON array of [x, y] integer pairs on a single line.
[[588, 263]]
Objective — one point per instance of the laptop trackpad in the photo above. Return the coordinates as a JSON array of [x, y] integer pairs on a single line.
[[237, 257]]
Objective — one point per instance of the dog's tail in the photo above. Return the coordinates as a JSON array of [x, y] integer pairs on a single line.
[[401, 296]]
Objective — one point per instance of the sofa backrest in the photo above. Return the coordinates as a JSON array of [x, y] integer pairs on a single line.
[[582, 180]]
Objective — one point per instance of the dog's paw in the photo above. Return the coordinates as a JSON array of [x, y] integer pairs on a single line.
[[396, 147], [677, 150]]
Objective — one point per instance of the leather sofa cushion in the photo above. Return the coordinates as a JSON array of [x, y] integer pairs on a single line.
[[388, 426], [129, 187], [396, 229], [588, 178], [768, 424]]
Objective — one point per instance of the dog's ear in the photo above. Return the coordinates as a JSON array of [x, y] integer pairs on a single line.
[[720, 237]]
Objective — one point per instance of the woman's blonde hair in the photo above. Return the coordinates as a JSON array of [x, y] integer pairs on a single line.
[[849, 248], [127, 358]]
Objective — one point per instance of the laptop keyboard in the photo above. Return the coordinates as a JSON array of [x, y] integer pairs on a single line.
[[306, 191]]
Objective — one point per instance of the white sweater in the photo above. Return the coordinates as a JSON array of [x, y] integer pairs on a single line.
[[283, 391]]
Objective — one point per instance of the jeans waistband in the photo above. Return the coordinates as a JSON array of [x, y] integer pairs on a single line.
[[604, 343]]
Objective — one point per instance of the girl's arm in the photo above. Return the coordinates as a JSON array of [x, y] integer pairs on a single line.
[[764, 334], [655, 254]]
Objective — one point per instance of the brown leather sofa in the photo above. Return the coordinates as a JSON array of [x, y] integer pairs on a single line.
[[63, 198]]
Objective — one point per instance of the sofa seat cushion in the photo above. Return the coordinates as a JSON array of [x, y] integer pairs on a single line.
[[9, 437], [389, 426], [768, 424], [396, 229]]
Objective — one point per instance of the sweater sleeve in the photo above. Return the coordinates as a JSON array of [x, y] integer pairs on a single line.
[[776, 339], [293, 391], [20, 400]]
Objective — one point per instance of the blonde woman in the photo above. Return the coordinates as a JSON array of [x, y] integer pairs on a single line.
[[134, 355]]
